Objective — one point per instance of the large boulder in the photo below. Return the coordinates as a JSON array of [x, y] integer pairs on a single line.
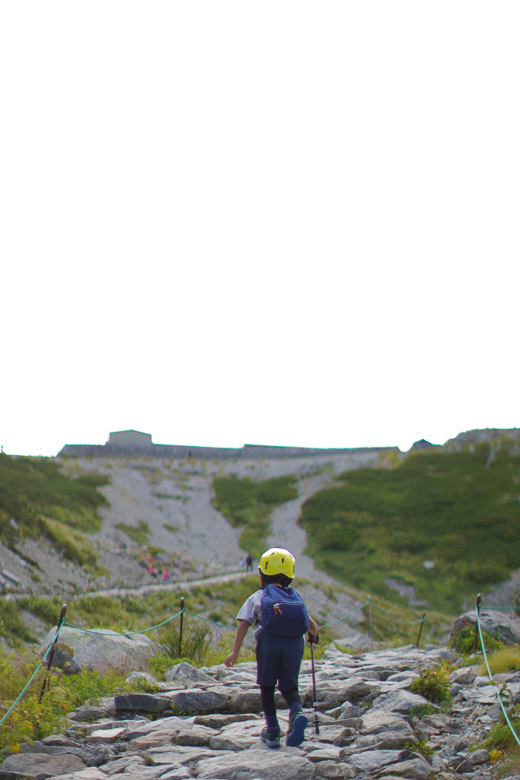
[[103, 649], [504, 625], [40, 765]]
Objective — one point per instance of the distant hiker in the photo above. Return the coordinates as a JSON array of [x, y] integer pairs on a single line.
[[242, 563], [282, 620], [166, 577], [249, 562]]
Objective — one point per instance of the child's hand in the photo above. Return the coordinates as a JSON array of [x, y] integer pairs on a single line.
[[230, 660]]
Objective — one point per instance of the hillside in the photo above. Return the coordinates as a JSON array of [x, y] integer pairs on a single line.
[[430, 528]]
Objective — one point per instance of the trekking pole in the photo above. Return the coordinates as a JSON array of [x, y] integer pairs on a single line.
[[180, 627], [315, 703], [51, 651]]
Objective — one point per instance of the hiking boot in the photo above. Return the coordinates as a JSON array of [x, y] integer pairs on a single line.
[[297, 725], [271, 736]]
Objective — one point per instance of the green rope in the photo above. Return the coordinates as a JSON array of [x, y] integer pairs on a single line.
[[333, 622], [200, 617], [15, 702], [123, 633], [396, 620], [497, 692]]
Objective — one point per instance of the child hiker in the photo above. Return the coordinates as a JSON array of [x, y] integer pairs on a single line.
[[282, 621]]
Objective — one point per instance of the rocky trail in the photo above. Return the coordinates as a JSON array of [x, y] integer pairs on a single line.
[[206, 723]]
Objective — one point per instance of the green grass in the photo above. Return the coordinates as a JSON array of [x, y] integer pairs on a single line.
[[32, 489], [449, 508], [249, 505], [31, 719], [507, 659], [139, 533]]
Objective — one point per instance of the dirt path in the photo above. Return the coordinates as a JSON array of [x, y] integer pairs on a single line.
[[146, 590]]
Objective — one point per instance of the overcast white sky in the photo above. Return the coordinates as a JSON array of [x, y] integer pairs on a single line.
[[283, 223]]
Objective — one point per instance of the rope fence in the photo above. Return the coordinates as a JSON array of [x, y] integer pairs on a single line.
[[478, 632], [179, 614]]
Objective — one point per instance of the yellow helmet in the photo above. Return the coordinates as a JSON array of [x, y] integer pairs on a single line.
[[277, 561]]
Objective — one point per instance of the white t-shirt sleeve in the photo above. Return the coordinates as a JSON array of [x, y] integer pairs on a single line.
[[252, 608]]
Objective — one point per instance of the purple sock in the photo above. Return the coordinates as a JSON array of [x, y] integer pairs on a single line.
[[271, 721], [294, 708]]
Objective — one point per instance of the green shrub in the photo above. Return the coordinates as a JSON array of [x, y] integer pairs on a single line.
[[422, 710], [195, 641], [248, 505], [34, 487], [464, 642], [433, 684], [31, 719], [448, 507], [138, 533], [420, 746], [70, 543]]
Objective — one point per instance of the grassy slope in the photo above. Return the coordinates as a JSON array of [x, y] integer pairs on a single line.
[[455, 509], [248, 505], [41, 500]]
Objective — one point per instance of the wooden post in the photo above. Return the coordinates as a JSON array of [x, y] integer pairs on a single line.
[[420, 629], [51, 651], [477, 623], [370, 620]]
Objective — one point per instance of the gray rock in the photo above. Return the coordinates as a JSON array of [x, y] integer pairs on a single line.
[[142, 728], [195, 700], [188, 675], [219, 720], [375, 721], [90, 773], [504, 625], [143, 676], [253, 764], [178, 754], [88, 714], [246, 701], [128, 704], [327, 753], [414, 768], [374, 760], [196, 736], [399, 701], [464, 676], [384, 740], [104, 649], [178, 773], [41, 765], [478, 757], [331, 770]]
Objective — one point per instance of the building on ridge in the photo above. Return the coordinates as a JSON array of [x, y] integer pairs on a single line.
[[130, 438]]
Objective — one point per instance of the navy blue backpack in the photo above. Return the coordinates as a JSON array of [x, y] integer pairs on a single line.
[[283, 612]]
